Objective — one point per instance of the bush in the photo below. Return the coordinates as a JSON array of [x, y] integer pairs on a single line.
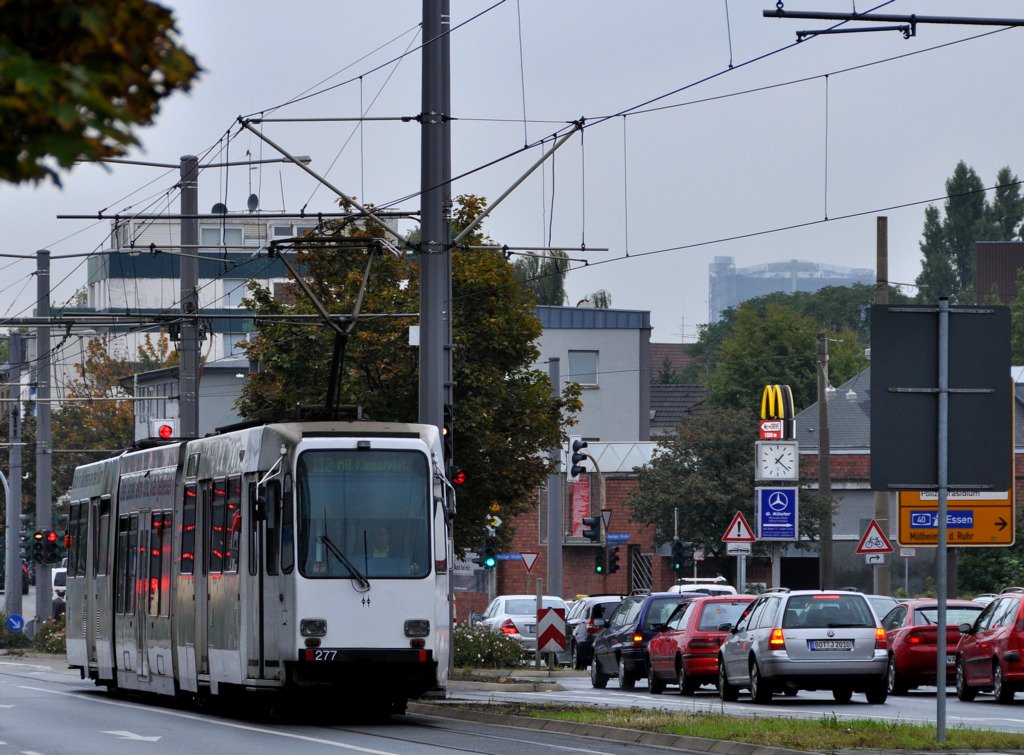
[[51, 637], [480, 647]]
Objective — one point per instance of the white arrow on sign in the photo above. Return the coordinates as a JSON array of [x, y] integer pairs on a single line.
[[132, 735], [494, 521]]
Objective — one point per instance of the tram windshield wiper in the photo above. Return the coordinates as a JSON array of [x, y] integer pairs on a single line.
[[356, 574]]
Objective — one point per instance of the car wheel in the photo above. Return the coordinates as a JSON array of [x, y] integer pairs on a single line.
[[759, 690], [625, 680], [575, 657], [726, 691], [1002, 690], [878, 692], [842, 694], [894, 685], [963, 692], [597, 679], [654, 685], [686, 685]]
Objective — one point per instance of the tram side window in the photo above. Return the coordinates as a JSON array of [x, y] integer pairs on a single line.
[[188, 530], [233, 524], [217, 527], [74, 523], [101, 536], [273, 525], [127, 559], [159, 563], [79, 540], [287, 527], [254, 528]]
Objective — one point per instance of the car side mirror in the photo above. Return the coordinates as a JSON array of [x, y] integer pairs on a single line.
[[964, 628], [659, 627], [599, 622], [726, 627], [734, 629], [474, 618]]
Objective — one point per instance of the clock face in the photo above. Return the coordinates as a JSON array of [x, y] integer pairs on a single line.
[[777, 461]]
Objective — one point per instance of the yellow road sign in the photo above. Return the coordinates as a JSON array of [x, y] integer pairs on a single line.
[[972, 518]]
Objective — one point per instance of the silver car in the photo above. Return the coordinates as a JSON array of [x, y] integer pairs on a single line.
[[516, 616], [806, 639]]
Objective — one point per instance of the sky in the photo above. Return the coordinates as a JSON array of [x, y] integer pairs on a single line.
[[709, 132]]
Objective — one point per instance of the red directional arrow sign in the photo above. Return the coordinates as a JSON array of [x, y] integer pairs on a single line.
[[551, 630]]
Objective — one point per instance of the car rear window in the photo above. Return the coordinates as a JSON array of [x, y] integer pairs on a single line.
[[954, 615], [60, 579], [521, 607], [716, 613], [827, 610]]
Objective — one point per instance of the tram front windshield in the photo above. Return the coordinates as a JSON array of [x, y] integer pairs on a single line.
[[363, 514]]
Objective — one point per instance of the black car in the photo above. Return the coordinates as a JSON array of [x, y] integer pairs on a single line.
[[621, 647], [582, 624]]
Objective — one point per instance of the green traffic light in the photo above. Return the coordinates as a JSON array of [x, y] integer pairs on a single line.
[[490, 562], [599, 568]]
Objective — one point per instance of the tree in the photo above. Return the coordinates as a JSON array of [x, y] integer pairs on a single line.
[[86, 431], [779, 346], [544, 276], [505, 418], [948, 267], [706, 472], [78, 76]]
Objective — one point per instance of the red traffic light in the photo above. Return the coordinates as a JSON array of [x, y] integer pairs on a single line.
[[51, 536], [165, 432], [458, 477]]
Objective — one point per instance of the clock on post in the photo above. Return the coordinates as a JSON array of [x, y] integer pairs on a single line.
[[776, 460]]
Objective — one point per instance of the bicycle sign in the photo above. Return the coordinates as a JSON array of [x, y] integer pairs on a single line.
[[874, 540]]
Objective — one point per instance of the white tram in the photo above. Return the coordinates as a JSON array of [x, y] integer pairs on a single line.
[[253, 560]]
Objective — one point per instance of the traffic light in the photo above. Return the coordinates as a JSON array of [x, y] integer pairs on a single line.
[[479, 559], [599, 561], [592, 528], [458, 477], [448, 435], [677, 556], [38, 547], [613, 560], [164, 429], [687, 555], [490, 555], [52, 554], [576, 457]]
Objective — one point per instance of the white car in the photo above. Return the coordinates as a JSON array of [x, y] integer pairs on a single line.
[[516, 616], [59, 580]]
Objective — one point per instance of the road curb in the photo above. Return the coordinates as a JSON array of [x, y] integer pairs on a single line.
[[612, 733]]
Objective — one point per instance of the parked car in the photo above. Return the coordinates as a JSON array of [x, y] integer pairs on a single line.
[[621, 647], [985, 598], [582, 624], [805, 640], [707, 585], [913, 632], [516, 616], [881, 604], [989, 655], [686, 651]]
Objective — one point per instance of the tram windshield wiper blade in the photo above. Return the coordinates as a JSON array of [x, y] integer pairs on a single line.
[[358, 575]]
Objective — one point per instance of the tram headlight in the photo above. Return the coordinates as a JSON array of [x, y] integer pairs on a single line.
[[417, 628], [313, 627]]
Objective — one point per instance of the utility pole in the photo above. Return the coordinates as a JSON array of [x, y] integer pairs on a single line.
[[883, 571], [554, 573], [16, 351], [188, 367], [44, 452], [825, 545]]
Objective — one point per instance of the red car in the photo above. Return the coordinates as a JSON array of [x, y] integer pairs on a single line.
[[912, 628], [685, 651], [990, 655]]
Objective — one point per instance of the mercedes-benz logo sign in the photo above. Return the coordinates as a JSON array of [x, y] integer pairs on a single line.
[[778, 501]]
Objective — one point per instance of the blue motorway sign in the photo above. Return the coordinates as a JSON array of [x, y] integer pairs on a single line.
[[777, 513], [928, 519]]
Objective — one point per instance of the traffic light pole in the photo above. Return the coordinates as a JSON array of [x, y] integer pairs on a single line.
[[44, 453]]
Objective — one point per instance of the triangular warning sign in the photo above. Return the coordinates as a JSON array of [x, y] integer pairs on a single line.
[[874, 540], [739, 531]]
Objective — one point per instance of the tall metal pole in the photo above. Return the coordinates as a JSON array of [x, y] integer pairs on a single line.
[[188, 366], [554, 573], [434, 221], [825, 546], [943, 483], [12, 597], [44, 452], [883, 571]]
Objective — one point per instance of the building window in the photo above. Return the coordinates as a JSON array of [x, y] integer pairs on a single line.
[[583, 368], [216, 236]]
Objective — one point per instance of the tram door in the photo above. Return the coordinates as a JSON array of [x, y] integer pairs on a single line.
[[141, 588], [99, 634], [263, 618], [190, 597]]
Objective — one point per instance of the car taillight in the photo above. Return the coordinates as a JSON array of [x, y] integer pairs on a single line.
[[591, 629], [914, 638], [777, 641], [509, 627], [711, 643], [638, 640], [881, 641]]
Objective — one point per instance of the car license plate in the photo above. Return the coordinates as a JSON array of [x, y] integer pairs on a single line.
[[950, 660], [531, 628], [831, 644]]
